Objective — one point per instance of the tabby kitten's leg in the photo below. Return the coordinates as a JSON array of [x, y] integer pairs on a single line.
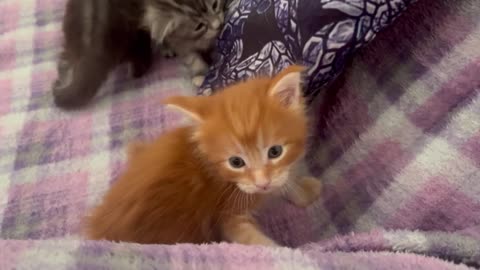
[[243, 229], [79, 80], [198, 67], [303, 189], [141, 54], [167, 52]]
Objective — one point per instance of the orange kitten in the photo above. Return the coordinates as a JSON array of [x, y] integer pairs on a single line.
[[199, 183]]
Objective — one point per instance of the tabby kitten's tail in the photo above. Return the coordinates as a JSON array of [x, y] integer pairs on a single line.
[[78, 81]]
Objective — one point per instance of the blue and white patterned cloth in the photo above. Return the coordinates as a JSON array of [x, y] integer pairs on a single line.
[[261, 37]]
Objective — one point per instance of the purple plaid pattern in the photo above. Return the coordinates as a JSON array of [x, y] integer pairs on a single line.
[[403, 119], [54, 165], [68, 254], [396, 142]]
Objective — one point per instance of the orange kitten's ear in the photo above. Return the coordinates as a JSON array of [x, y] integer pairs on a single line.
[[191, 107], [286, 87]]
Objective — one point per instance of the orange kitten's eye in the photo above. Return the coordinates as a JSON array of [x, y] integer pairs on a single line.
[[275, 151], [236, 162]]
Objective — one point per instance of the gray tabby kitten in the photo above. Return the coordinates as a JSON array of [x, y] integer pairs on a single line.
[[185, 28], [101, 34]]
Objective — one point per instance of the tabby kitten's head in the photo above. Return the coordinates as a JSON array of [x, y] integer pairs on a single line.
[[184, 25], [253, 132]]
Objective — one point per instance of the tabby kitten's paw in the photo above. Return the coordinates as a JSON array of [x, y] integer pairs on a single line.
[[306, 191], [197, 81], [168, 53], [197, 67]]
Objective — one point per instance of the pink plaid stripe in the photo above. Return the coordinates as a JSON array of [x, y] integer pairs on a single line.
[[9, 17]]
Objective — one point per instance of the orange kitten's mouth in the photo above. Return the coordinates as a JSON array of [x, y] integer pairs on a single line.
[[265, 190], [253, 189], [264, 187]]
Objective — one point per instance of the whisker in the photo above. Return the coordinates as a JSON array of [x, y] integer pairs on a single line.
[[223, 193], [228, 200], [234, 200], [244, 202], [240, 201]]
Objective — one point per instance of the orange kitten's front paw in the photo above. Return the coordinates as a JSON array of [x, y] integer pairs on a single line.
[[307, 191], [263, 241]]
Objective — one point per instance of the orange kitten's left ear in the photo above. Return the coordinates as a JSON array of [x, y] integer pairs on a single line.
[[191, 107], [287, 87]]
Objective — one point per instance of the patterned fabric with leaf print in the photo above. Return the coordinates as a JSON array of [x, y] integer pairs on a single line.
[[261, 37]]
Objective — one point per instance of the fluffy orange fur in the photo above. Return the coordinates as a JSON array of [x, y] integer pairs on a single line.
[[199, 183]]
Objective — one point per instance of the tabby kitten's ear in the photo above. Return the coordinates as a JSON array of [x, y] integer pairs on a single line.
[[192, 107], [287, 87], [159, 24]]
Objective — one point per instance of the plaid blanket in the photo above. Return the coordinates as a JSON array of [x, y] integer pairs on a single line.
[[54, 165], [75, 254], [397, 143]]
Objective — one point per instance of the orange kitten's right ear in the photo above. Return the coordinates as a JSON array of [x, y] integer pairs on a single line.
[[192, 107], [287, 87]]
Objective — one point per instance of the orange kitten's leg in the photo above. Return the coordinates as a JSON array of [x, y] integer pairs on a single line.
[[242, 229], [304, 191]]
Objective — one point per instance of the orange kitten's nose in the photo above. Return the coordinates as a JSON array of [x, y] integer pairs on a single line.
[[261, 180]]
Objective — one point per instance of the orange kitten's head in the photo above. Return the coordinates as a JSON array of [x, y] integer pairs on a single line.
[[252, 132]]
